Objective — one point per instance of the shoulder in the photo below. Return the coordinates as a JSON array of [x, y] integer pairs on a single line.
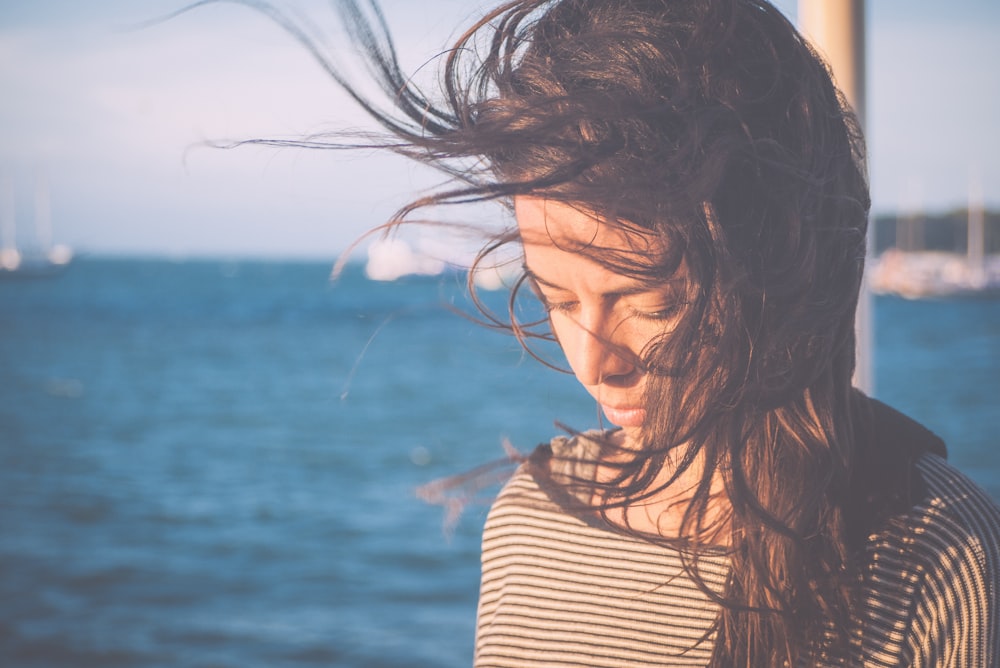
[[956, 521], [952, 518], [955, 509], [545, 478], [536, 516], [953, 493], [932, 572]]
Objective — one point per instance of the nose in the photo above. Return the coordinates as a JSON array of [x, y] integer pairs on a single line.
[[595, 356]]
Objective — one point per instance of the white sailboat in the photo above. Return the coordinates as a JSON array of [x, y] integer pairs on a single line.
[[394, 258], [938, 274], [41, 259]]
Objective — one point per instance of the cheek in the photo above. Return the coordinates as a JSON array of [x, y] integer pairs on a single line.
[[580, 349], [559, 325]]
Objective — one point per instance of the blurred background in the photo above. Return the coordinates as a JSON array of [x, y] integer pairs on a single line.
[[209, 452]]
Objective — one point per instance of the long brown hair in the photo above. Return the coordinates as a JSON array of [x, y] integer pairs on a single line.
[[713, 125]]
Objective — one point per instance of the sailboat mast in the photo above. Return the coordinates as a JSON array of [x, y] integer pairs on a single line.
[[8, 224], [43, 214], [976, 240]]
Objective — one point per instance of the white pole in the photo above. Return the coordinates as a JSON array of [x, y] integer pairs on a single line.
[[43, 214], [8, 215], [976, 232], [836, 29]]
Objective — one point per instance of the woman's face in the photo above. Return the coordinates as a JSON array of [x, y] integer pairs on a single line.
[[603, 320]]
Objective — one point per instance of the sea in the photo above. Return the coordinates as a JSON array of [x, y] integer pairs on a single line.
[[219, 463]]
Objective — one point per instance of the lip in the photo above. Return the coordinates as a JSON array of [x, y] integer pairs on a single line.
[[625, 416]]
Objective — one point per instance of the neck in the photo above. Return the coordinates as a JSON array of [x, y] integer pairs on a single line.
[[662, 506]]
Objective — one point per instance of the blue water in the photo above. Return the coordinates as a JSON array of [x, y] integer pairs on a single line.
[[214, 463]]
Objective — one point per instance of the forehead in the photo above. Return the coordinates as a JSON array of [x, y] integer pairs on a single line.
[[550, 223]]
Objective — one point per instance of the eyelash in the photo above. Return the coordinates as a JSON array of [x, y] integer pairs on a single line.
[[561, 307], [668, 313]]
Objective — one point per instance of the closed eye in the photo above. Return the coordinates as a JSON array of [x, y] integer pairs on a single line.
[[551, 304], [667, 313], [561, 307]]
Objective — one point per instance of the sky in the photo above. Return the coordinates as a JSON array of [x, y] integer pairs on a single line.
[[110, 120]]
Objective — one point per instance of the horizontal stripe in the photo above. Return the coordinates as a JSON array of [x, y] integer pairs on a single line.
[[563, 590]]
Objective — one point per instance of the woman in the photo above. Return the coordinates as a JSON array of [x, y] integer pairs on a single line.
[[690, 197]]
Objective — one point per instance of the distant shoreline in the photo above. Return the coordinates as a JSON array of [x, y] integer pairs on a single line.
[[926, 231]]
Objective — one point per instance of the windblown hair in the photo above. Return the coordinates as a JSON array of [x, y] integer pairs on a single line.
[[712, 125]]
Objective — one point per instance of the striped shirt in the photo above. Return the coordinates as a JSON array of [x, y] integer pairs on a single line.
[[564, 589]]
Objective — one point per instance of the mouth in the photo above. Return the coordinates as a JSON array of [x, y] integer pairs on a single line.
[[625, 417]]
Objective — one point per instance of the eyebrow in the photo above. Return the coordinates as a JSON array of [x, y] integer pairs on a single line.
[[637, 289]]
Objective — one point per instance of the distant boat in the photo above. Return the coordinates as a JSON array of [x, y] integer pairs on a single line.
[[938, 274], [394, 258], [934, 274], [42, 259]]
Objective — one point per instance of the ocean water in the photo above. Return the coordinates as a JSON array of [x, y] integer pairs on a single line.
[[212, 463]]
